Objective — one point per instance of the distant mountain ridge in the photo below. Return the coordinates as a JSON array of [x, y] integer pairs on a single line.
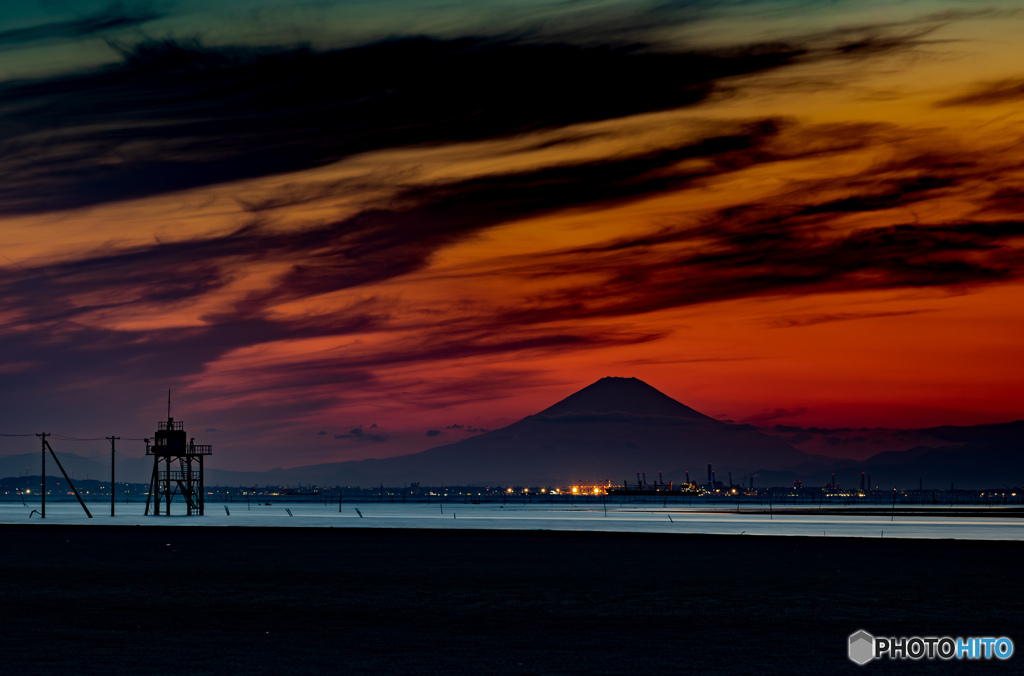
[[129, 469], [982, 456]]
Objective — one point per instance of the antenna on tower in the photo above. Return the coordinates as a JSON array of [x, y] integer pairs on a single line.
[[168, 403]]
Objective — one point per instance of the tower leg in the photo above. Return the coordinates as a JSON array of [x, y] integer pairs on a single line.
[[188, 492], [167, 487], [153, 486], [193, 505], [202, 489]]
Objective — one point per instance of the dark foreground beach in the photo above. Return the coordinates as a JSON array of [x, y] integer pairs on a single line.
[[154, 600]]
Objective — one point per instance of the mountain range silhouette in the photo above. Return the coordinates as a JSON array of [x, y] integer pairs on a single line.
[[616, 427], [608, 431]]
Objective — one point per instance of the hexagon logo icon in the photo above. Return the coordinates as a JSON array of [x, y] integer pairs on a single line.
[[862, 647]]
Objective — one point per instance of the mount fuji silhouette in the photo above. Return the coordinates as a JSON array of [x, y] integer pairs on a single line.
[[623, 396], [609, 430]]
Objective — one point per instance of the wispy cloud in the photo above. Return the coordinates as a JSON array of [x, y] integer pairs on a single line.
[[825, 318], [369, 434], [117, 16], [767, 416], [793, 243]]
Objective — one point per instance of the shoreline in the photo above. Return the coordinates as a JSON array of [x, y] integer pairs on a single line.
[[910, 524], [977, 512]]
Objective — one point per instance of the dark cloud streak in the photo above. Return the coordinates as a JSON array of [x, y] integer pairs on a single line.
[[111, 19], [176, 115], [360, 435], [374, 245], [825, 318], [988, 94]]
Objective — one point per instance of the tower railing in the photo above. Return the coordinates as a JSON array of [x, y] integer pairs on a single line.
[[180, 451]]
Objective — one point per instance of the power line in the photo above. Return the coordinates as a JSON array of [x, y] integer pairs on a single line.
[[67, 438]]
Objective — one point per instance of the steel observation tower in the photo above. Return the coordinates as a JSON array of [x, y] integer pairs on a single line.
[[182, 471]]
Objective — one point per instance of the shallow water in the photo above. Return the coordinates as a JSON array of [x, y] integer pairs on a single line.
[[619, 518]]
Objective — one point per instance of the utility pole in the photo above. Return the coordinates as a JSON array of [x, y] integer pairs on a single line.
[[43, 437], [113, 488]]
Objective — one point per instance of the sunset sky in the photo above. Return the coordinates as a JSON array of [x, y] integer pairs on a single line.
[[339, 230]]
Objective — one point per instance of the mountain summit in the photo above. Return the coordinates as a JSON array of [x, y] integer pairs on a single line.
[[622, 395], [607, 431]]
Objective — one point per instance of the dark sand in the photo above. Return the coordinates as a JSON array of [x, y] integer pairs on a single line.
[[152, 600]]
